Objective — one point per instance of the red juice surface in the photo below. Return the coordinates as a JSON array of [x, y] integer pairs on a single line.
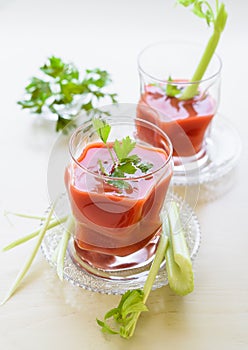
[[110, 220], [185, 122]]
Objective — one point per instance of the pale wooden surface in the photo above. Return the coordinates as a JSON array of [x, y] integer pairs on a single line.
[[45, 314]]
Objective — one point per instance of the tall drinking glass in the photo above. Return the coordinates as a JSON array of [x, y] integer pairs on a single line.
[[117, 219], [183, 108]]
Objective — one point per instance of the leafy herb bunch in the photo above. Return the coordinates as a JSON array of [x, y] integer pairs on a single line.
[[64, 93]]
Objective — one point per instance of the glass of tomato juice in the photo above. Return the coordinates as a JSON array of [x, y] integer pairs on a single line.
[[166, 71], [117, 219]]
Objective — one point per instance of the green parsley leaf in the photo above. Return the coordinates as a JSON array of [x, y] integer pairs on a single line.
[[127, 168], [125, 163], [102, 129], [63, 89], [123, 148], [56, 68], [120, 184], [64, 124], [144, 167]]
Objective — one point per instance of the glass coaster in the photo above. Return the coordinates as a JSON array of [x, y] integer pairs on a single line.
[[119, 282]]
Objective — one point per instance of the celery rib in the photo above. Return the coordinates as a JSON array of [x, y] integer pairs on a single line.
[[63, 246], [159, 256], [28, 264], [32, 235], [219, 25], [178, 262]]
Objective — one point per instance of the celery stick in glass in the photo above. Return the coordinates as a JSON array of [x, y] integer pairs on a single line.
[[217, 18]]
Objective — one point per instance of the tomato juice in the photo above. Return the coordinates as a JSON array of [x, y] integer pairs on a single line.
[[113, 221], [184, 121]]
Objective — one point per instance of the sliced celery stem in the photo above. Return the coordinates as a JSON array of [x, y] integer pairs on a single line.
[[177, 233], [28, 263], [34, 234], [27, 216], [63, 246], [159, 256], [178, 262], [155, 266], [219, 26]]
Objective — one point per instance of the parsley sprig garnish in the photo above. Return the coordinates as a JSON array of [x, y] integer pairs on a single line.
[[64, 92], [123, 163]]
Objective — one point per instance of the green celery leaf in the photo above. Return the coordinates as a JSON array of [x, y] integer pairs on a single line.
[[106, 328], [171, 89], [186, 3], [203, 10]]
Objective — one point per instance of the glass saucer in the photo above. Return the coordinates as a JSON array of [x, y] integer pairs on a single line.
[[214, 177], [119, 282]]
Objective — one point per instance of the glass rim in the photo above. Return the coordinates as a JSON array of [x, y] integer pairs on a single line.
[[122, 120], [166, 81]]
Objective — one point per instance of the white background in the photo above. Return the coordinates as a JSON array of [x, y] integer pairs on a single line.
[[45, 314]]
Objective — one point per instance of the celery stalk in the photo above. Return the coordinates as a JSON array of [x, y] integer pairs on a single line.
[[180, 275], [26, 216], [219, 25], [28, 263], [178, 262], [63, 246], [152, 275], [133, 302], [34, 234]]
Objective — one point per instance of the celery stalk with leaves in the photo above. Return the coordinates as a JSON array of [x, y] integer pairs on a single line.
[[215, 17], [172, 246]]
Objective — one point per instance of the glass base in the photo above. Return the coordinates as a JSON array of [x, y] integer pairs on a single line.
[[193, 163], [113, 263], [83, 275], [215, 174], [219, 157]]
